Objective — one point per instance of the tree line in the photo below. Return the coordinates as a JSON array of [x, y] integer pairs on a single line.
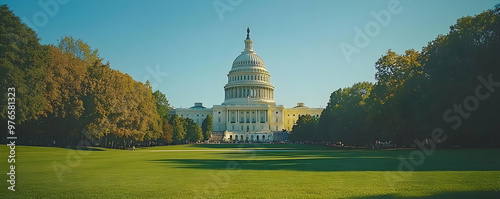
[[66, 94], [452, 84]]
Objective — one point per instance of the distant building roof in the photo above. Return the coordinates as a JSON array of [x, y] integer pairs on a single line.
[[198, 105]]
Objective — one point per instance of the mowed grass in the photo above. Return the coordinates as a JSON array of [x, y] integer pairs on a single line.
[[250, 171]]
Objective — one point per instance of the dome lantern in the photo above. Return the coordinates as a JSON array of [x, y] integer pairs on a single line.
[[248, 42]]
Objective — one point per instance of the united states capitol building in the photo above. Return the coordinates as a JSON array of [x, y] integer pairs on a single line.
[[249, 112]]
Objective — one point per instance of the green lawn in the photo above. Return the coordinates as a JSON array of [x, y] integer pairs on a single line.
[[249, 171]]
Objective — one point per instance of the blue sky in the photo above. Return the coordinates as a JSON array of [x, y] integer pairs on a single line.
[[186, 48]]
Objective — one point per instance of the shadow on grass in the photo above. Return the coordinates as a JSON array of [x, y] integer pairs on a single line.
[[334, 161], [81, 148], [454, 194]]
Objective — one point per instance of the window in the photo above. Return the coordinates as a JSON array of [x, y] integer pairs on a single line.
[[219, 119], [276, 112], [219, 112], [276, 119]]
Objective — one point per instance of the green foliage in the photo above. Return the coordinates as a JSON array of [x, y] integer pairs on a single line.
[[416, 92], [304, 129], [79, 49], [344, 116], [193, 131], [22, 66], [162, 104], [179, 129], [207, 127], [66, 93]]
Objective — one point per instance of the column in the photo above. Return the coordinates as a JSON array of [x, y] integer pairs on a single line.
[[257, 116], [265, 118]]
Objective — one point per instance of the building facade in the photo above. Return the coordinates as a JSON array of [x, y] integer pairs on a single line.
[[249, 112]]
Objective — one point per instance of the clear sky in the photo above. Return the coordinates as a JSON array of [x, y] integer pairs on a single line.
[[186, 48]]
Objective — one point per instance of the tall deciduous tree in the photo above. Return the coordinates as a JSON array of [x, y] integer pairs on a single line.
[[167, 131], [179, 129], [162, 104], [193, 131]]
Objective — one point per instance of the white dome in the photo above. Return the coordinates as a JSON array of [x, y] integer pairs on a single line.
[[248, 59], [248, 80]]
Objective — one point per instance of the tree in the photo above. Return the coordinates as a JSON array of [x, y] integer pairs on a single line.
[[207, 127], [396, 102], [162, 104], [305, 129], [193, 131], [179, 129], [22, 66], [168, 130], [455, 63], [79, 49]]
